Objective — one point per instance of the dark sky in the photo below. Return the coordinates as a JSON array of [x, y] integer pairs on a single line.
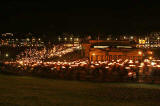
[[133, 16]]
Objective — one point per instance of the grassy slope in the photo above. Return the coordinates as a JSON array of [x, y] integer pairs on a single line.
[[16, 90]]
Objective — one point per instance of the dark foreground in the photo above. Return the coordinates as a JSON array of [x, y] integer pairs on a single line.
[[32, 91]]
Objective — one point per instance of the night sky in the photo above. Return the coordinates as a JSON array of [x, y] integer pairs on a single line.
[[134, 16]]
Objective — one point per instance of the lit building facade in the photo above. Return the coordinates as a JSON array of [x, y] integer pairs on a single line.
[[102, 50], [9, 39], [69, 40]]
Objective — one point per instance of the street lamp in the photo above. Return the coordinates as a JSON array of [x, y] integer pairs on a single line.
[[140, 53], [7, 54], [152, 63], [59, 39], [65, 39], [150, 58]]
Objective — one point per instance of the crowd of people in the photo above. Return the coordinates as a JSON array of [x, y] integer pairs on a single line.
[[66, 63], [33, 55], [88, 71]]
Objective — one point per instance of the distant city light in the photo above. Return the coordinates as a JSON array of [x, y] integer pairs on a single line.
[[140, 53], [93, 54], [150, 58], [28, 39], [152, 63], [131, 37], [7, 54], [59, 38], [77, 39], [108, 38]]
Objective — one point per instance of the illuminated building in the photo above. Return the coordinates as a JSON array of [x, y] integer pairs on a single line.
[[102, 50], [69, 40], [9, 39], [151, 40]]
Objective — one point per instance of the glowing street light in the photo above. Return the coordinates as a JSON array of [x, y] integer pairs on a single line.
[[131, 37], [140, 53], [93, 54], [150, 58], [7, 54], [77, 39], [28, 39], [59, 38], [152, 63]]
